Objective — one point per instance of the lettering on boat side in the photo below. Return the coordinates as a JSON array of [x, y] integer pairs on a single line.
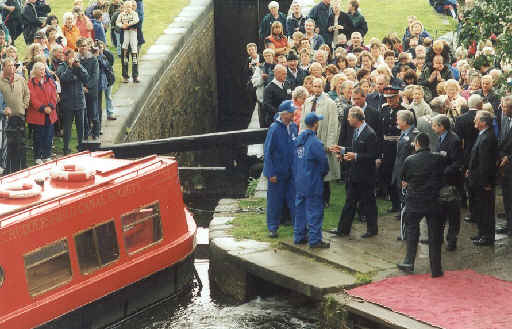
[[68, 212]]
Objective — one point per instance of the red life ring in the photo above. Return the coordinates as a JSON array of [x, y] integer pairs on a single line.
[[71, 173], [20, 191]]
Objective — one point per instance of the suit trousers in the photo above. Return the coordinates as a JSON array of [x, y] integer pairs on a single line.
[[483, 211], [450, 213], [413, 219], [308, 211], [506, 186], [364, 194], [277, 195], [78, 117]]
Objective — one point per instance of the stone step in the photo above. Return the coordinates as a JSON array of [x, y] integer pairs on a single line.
[[298, 273], [367, 315], [342, 255]]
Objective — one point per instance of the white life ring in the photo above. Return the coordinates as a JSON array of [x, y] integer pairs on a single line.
[[20, 191], [72, 173]]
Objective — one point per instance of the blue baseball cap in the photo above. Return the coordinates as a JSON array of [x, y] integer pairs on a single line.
[[312, 117], [287, 106]]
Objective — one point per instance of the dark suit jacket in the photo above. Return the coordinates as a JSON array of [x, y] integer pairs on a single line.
[[273, 96], [294, 82], [482, 162], [451, 147], [404, 148], [343, 20], [372, 117], [375, 101], [465, 129], [505, 149], [362, 170]]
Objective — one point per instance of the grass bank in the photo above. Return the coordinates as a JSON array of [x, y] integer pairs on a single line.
[[251, 223]]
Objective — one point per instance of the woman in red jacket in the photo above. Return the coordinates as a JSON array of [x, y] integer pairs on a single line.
[[41, 112]]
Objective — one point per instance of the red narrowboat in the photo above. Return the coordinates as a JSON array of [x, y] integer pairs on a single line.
[[87, 240]]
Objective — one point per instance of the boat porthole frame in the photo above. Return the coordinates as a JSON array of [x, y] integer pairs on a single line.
[[2, 276]]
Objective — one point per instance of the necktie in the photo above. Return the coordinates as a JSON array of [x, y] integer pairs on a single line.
[[315, 102]]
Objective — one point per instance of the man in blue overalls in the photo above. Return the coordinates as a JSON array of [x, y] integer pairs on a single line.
[[279, 154], [310, 167]]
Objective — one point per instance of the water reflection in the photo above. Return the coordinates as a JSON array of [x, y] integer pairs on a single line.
[[200, 310]]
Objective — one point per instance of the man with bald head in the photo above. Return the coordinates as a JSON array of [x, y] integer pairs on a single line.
[[274, 94]]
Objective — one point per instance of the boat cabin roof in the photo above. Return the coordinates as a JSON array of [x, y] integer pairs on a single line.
[[54, 193]]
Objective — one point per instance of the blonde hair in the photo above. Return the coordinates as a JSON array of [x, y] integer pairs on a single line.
[[37, 65]]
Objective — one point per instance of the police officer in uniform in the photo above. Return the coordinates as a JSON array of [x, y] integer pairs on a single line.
[[387, 145]]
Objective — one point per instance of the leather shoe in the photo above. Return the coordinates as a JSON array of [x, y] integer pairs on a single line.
[[320, 245], [337, 233], [303, 241], [468, 219], [475, 238], [368, 235], [438, 274], [483, 242], [409, 268], [272, 234], [451, 247]]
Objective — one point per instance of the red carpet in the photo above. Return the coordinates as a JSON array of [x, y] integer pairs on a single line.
[[459, 300]]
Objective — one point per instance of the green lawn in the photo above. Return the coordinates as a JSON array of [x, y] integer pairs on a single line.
[[158, 15], [385, 16], [252, 224]]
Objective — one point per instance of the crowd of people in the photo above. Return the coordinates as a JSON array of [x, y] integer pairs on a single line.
[[65, 73], [409, 118]]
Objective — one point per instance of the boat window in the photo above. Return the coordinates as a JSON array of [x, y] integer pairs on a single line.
[[48, 267], [142, 227], [97, 247], [1, 276]]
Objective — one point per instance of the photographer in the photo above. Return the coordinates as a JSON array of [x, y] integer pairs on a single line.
[[73, 77], [32, 21]]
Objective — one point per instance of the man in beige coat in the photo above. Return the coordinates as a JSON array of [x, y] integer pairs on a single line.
[[328, 130]]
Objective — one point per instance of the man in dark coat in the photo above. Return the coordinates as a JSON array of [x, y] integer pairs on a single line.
[[376, 99], [433, 74], [422, 174], [450, 147], [371, 115], [481, 174], [320, 14], [404, 148], [295, 22], [12, 13], [465, 129], [310, 168], [274, 15], [73, 78], [505, 165], [361, 175], [274, 94], [488, 94], [358, 20], [91, 65], [31, 21], [295, 75], [343, 24], [278, 166]]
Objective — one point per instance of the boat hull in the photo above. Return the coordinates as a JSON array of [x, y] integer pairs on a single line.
[[170, 282]]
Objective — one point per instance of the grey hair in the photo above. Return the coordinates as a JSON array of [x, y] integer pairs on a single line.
[[310, 20], [299, 92], [475, 101], [279, 67], [442, 120], [357, 113], [68, 15], [486, 117], [273, 4], [406, 116]]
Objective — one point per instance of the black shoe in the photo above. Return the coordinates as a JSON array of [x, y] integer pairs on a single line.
[[502, 230], [451, 247], [409, 268], [476, 237], [424, 241], [368, 235], [468, 219], [320, 245], [483, 242], [437, 274], [303, 241], [272, 234], [337, 233], [394, 210]]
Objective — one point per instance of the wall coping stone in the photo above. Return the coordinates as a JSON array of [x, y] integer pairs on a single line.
[[129, 100]]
